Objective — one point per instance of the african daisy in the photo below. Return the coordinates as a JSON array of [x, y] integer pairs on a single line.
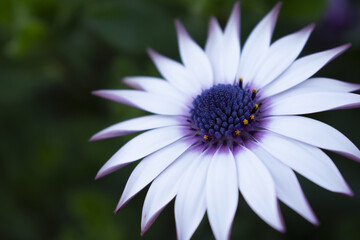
[[225, 120]]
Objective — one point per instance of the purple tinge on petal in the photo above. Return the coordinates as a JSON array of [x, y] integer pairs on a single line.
[[138, 124], [302, 69], [141, 146], [151, 166], [147, 101]]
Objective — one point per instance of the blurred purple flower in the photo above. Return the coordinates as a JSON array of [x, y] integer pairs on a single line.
[[340, 18], [225, 121]]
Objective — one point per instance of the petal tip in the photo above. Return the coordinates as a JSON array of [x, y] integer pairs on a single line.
[[236, 8], [349, 193], [97, 92], [93, 138], [315, 222], [180, 29], [310, 27], [99, 175], [101, 93], [120, 205], [151, 52], [105, 170]]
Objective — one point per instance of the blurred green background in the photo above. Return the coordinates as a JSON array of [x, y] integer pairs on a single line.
[[53, 53]]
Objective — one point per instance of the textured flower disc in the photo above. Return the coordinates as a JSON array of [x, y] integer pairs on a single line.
[[225, 113], [225, 122]]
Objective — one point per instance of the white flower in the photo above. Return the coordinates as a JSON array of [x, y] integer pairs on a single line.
[[225, 120]]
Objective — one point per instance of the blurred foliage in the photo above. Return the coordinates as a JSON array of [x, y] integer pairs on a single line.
[[53, 53]]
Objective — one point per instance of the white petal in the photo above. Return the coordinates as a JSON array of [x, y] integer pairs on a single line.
[[302, 69], [136, 125], [307, 160], [257, 45], [222, 192], [176, 74], [287, 186], [311, 103], [281, 54], [231, 49], [214, 49], [193, 57], [154, 85], [190, 201], [321, 85], [141, 146], [257, 187], [151, 166], [313, 132], [165, 187], [147, 101]]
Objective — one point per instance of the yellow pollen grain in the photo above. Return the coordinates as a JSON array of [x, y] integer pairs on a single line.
[[237, 132], [252, 117], [245, 121], [206, 137], [254, 90], [256, 106]]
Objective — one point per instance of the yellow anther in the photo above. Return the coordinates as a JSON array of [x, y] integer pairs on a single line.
[[256, 106], [206, 137], [254, 90], [252, 117], [240, 79], [245, 122], [237, 132]]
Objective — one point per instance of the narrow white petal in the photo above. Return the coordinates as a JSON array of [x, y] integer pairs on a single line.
[[281, 55], [231, 48], [190, 201], [307, 160], [302, 69], [165, 187], [141, 146], [222, 192], [146, 101], [193, 57], [258, 188], [214, 49], [155, 85], [313, 132], [176, 74], [151, 166], [311, 102], [313, 85], [257, 45], [136, 125], [287, 186]]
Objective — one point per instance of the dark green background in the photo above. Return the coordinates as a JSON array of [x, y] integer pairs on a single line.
[[53, 53]]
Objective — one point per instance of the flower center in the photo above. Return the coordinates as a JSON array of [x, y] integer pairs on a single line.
[[224, 112]]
